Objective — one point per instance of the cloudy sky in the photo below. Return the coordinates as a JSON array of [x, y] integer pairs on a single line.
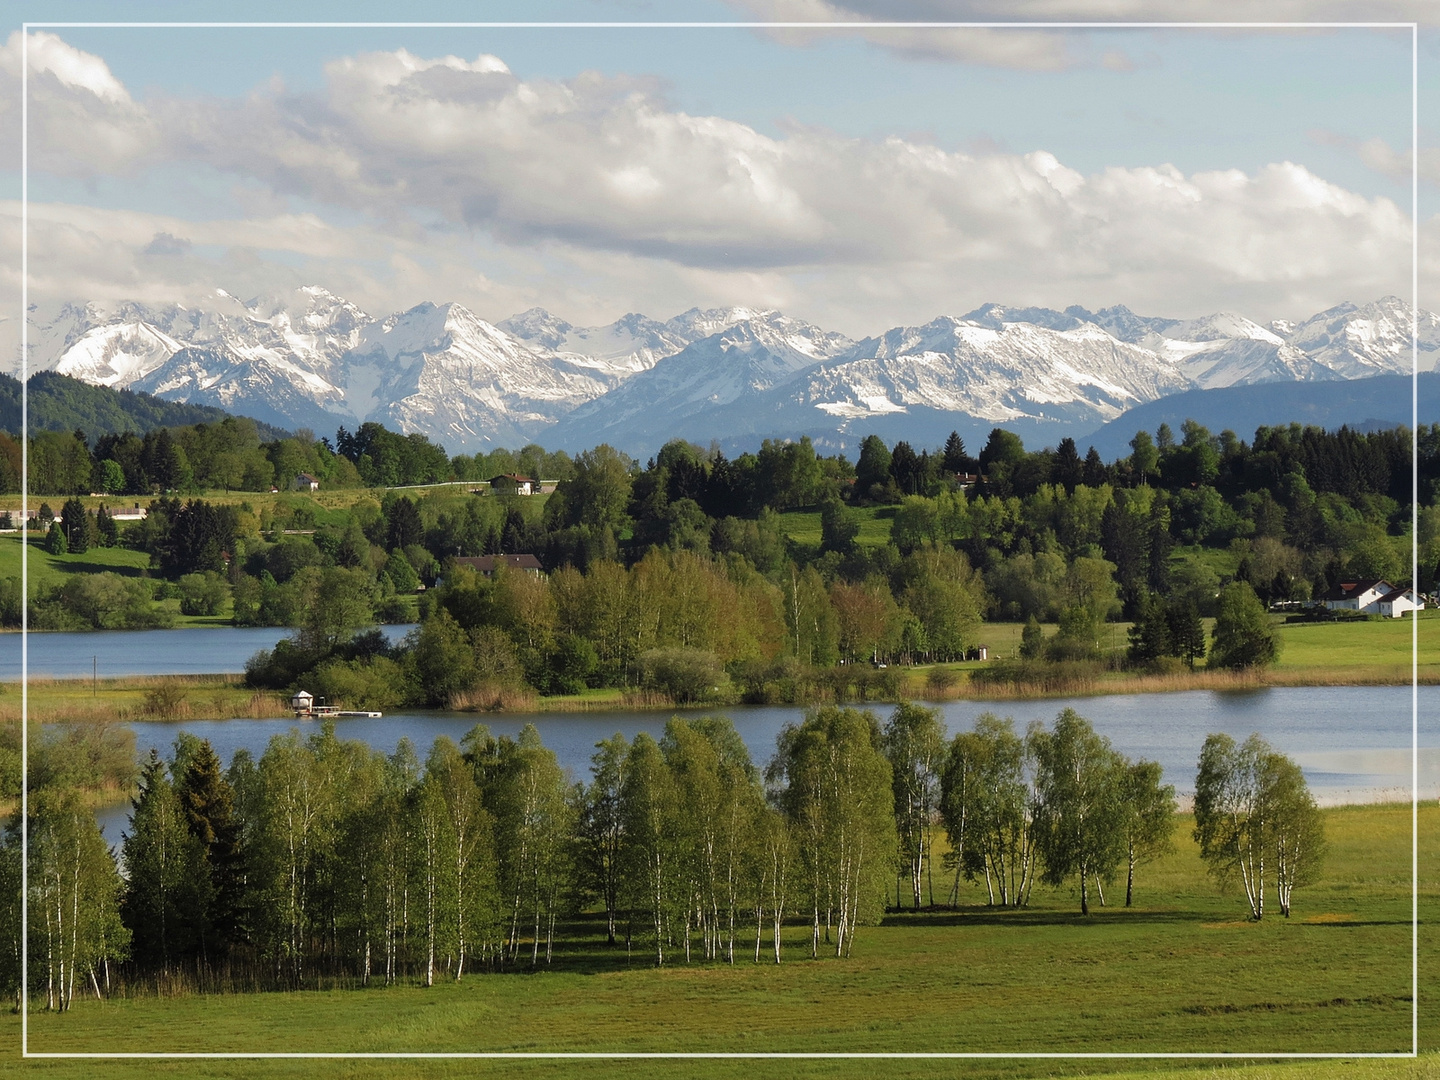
[[859, 177]]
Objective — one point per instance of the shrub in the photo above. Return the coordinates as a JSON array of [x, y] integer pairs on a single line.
[[1243, 634], [203, 594], [686, 676], [166, 702], [377, 684]]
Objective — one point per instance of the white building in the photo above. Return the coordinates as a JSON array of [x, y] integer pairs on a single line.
[[1357, 596], [1399, 602]]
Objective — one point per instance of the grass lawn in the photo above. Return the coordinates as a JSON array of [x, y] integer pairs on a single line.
[[201, 697], [803, 526], [1370, 649], [1182, 971], [48, 571]]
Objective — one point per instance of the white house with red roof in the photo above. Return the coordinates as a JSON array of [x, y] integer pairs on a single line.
[[1398, 602], [1372, 598]]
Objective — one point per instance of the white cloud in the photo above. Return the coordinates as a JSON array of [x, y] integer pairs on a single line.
[[82, 119], [594, 197]]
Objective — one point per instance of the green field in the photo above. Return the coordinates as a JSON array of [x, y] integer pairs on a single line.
[[1375, 647], [1182, 971], [49, 571], [803, 526]]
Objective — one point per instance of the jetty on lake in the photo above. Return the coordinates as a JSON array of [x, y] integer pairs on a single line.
[[306, 708]]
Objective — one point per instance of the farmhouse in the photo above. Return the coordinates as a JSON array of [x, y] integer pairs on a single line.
[[1399, 602], [1357, 596], [306, 482], [510, 484], [485, 565], [1372, 598]]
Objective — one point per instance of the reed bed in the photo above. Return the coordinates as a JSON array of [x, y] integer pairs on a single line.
[[147, 697]]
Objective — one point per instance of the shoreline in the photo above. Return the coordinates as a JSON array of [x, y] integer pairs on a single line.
[[222, 696]]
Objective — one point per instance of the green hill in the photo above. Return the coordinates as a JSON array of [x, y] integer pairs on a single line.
[[60, 403]]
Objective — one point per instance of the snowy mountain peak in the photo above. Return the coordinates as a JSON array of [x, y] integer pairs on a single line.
[[1367, 340], [695, 324], [537, 325], [1223, 325], [307, 357], [997, 315]]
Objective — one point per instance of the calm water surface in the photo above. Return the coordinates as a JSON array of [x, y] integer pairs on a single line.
[[1352, 742], [113, 653]]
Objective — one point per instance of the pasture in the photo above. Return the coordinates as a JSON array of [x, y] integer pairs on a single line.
[[1181, 971]]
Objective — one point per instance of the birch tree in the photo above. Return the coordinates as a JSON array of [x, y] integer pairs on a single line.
[[1077, 812], [648, 847], [987, 806], [1148, 817], [469, 850], [75, 889], [836, 787], [1254, 816], [914, 743], [1230, 814], [599, 835], [532, 828], [1297, 830]]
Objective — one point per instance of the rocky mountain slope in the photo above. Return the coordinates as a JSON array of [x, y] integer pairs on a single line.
[[310, 358]]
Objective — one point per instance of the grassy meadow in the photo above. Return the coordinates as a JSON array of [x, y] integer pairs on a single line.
[[48, 571], [1181, 971]]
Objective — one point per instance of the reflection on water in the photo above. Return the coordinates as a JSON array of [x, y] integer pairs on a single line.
[[1352, 742], [216, 650]]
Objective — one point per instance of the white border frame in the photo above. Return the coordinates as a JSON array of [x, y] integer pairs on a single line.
[[853, 26]]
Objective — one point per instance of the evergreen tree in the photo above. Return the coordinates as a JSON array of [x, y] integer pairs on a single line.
[[955, 459], [1068, 469], [168, 889], [1032, 640], [55, 540], [403, 524], [905, 468], [208, 803], [873, 468], [76, 524], [106, 531], [1243, 635], [1150, 634], [1095, 471], [1187, 632]]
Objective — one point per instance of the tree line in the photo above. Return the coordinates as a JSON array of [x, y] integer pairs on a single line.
[[325, 859], [1181, 529]]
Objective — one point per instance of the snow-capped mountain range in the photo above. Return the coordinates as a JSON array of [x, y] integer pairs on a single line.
[[313, 359]]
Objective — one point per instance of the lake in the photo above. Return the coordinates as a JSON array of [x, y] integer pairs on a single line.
[[1352, 742], [115, 653]]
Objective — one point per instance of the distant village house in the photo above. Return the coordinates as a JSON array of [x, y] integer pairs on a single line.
[[1372, 598], [510, 484], [485, 565], [306, 482]]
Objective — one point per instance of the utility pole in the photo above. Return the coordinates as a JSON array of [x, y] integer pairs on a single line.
[[95, 676]]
